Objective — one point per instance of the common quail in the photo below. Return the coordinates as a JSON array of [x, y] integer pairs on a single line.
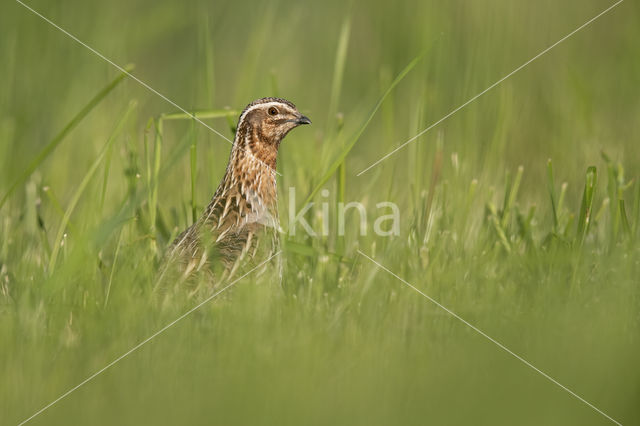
[[240, 224]]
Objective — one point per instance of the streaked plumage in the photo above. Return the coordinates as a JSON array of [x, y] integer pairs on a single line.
[[241, 221]]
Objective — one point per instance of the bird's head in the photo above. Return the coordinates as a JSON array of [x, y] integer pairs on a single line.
[[264, 123]]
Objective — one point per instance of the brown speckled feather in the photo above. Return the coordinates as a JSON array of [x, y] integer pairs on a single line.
[[241, 221]]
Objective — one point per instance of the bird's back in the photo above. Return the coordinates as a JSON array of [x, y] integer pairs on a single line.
[[236, 232]]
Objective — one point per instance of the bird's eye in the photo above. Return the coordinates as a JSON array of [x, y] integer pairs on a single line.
[[273, 111]]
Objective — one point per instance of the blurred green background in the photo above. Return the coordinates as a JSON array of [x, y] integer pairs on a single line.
[[340, 341]]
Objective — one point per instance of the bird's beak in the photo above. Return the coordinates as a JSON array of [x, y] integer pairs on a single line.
[[303, 120]]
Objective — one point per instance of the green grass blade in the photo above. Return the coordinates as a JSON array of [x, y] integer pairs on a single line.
[[57, 207], [349, 146], [135, 200], [147, 156], [340, 200], [563, 194], [302, 249], [52, 145], [338, 72], [83, 185], [113, 268], [552, 194], [623, 218], [567, 228], [157, 161], [636, 212], [200, 115], [257, 44], [502, 236], [587, 204], [436, 172], [612, 192], [194, 170], [174, 156], [105, 177], [209, 64], [510, 197]]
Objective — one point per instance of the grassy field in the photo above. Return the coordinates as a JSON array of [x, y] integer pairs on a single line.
[[520, 213]]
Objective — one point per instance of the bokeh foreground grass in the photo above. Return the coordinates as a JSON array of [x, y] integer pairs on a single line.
[[543, 255]]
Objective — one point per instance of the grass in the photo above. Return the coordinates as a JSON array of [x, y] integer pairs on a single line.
[[521, 213]]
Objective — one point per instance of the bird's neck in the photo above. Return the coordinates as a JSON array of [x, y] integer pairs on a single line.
[[252, 167], [251, 145]]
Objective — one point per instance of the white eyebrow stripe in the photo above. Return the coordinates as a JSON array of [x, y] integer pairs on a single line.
[[266, 104]]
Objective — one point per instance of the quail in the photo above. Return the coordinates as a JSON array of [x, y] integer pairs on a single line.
[[240, 224]]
